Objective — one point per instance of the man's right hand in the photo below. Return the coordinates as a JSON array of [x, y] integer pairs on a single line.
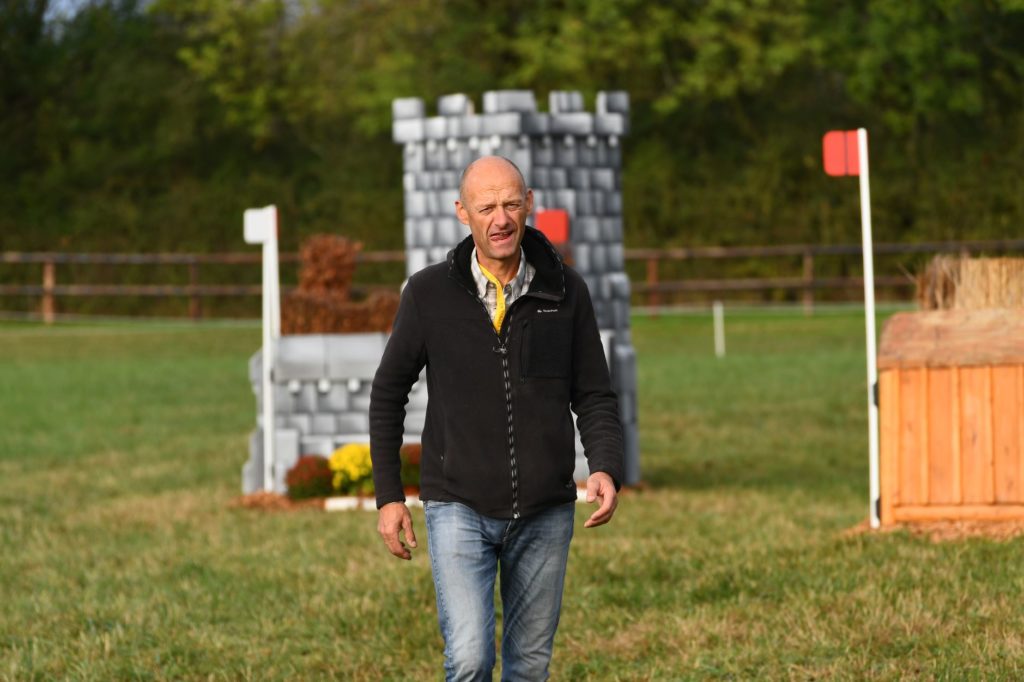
[[392, 518]]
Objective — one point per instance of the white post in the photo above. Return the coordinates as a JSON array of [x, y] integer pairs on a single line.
[[261, 228], [272, 278], [869, 318], [718, 314]]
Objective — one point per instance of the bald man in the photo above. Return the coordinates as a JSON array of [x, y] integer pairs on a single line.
[[507, 333]]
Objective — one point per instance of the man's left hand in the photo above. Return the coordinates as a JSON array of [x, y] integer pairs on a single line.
[[600, 486]]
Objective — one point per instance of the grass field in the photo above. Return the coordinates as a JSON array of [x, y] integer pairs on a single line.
[[120, 454]]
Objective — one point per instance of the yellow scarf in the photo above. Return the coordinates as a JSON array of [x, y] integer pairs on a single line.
[[499, 313]]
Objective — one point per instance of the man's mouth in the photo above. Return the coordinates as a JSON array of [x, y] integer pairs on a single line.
[[499, 237]]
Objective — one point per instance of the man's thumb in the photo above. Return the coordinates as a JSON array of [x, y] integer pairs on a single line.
[[410, 536]]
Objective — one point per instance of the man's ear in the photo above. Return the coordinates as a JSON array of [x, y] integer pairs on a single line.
[[461, 213], [529, 201]]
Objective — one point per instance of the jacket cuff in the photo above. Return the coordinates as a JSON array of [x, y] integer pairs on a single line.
[[388, 499]]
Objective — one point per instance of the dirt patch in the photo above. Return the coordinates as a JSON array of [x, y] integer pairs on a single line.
[[276, 502], [945, 531]]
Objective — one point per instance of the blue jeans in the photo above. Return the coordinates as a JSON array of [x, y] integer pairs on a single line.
[[466, 551]]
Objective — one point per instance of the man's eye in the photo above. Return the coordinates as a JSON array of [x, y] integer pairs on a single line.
[[513, 206]]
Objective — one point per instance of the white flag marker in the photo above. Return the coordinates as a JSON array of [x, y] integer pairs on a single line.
[[261, 228]]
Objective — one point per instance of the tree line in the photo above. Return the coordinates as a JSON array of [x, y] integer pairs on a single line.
[[129, 125]]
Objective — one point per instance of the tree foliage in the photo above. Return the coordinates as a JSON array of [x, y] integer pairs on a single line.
[[131, 125]]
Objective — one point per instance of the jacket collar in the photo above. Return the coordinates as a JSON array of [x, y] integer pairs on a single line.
[[548, 281]]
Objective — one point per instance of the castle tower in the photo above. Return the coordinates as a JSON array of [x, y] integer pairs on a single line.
[[572, 160]]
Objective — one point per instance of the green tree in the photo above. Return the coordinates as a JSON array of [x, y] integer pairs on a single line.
[[128, 125]]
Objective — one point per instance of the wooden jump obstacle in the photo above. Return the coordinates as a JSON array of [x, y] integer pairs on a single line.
[[951, 399]]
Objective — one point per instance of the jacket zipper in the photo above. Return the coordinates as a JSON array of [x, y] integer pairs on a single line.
[[502, 350]]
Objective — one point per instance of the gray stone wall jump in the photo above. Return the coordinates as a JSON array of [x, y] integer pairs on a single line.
[[321, 398]]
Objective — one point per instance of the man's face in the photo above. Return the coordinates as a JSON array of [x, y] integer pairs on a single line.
[[495, 206]]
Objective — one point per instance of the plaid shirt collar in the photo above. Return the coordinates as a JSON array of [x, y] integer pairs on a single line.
[[488, 292]]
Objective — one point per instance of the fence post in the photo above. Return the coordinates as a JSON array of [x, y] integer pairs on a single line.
[[48, 307], [652, 280], [808, 296], [195, 303]]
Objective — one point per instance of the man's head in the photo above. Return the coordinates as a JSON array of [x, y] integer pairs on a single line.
[[494, 202]]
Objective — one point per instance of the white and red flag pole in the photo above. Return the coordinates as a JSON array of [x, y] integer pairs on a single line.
[[846, 153]]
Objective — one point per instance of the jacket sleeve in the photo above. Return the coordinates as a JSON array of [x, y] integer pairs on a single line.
[[593, 400], [404, 357]]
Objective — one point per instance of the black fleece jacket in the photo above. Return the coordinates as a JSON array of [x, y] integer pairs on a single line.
[[498, 435]]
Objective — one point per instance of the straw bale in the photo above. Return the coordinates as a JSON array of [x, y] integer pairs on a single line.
[[937, 285], [953, 338], [991, 283], [960, 283]]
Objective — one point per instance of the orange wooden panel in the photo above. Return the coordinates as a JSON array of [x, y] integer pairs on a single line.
[[954, 435], [889, 442], [976, 435], [1006, 432], [954, 512], [1020, 421], [913, 441], [942, 484]]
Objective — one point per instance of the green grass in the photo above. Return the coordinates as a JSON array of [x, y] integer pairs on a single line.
[[120, 455]]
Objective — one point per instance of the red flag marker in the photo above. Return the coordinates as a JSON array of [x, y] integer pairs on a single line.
[[554, 223], [840, 154], [845, 152]]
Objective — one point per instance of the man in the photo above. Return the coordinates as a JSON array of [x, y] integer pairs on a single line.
[[509, 339]]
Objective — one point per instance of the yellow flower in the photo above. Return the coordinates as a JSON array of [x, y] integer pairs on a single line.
[[351, 465]]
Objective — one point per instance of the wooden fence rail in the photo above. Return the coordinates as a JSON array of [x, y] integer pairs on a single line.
[[194, 291], [651, 289], [806, 283]]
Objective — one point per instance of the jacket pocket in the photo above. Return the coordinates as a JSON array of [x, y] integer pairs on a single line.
[[547, 348]]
